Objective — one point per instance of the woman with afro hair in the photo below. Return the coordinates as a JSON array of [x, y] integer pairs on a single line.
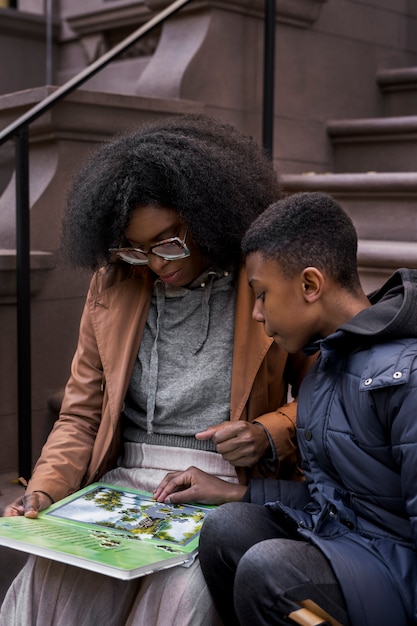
[[174, 389]]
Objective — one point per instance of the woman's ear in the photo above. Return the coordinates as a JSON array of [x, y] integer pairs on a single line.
[[312, 283]]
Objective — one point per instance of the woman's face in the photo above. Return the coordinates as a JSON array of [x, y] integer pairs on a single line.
[[152, 224]]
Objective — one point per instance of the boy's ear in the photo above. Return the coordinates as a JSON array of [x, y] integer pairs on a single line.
[[312, 283]]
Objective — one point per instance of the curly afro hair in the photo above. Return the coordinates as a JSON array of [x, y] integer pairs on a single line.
[[217, 179]]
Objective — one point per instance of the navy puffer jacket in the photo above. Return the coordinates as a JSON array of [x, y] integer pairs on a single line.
[[357, 432]]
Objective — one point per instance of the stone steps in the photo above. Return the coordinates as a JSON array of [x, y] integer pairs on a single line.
[[378, 144], [399, 90], [381, 144], [374, 177], [10, 489], [12, 560]]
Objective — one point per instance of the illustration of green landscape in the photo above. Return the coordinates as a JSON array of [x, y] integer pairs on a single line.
[[138, 515]]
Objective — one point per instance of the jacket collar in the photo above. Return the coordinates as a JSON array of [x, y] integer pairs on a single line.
[[250, 346]]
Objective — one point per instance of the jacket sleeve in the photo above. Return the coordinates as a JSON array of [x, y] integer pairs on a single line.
[[65, 456], [281, 424], [281, 428]]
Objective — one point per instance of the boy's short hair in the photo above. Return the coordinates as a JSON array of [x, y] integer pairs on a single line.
[[308, 229]]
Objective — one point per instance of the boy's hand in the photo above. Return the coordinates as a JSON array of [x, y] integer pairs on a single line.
[[241, 443], [28, 505], [194, 485]]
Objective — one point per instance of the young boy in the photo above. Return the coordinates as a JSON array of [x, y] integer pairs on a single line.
[[343, 544]]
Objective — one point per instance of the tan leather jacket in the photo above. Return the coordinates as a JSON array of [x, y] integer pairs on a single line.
[[85, 440]]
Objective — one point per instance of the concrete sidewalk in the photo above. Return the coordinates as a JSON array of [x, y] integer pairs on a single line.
[[11, 561], [9, 489]]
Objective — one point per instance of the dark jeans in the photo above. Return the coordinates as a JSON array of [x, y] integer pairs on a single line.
[[257, 570]]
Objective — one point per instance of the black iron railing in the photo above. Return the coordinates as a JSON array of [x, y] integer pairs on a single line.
[[19, 130], [268, 78]]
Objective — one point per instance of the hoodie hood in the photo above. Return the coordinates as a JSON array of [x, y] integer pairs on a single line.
[[393, 313]]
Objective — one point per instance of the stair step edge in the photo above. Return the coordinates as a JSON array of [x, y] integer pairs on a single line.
[[354, 183]]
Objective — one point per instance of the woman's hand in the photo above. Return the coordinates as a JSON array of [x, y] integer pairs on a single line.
[[241, 443], [194, 485], [28, 505]]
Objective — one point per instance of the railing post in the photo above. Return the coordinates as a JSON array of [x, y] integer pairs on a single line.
[[20, 130], [268, 78], [49, 42], [23, 303]]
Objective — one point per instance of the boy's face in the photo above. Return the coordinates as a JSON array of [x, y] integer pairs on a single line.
[[280, 304]]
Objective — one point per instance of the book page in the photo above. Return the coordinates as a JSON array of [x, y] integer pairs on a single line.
[[136, 514], [109, 529]]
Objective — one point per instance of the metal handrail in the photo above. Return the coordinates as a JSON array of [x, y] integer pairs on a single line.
[[89, 71], [268, 78], [20, 131]]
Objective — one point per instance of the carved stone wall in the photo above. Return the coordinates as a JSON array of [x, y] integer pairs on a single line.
[[331, 58], [60, 141]]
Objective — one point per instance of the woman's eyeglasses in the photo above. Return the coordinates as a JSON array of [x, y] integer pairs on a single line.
[[167, 249]]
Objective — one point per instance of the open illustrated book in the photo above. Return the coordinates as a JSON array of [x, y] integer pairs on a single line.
[[117, 531]]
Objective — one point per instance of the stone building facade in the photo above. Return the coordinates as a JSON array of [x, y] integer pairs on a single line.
[[345, 121]]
